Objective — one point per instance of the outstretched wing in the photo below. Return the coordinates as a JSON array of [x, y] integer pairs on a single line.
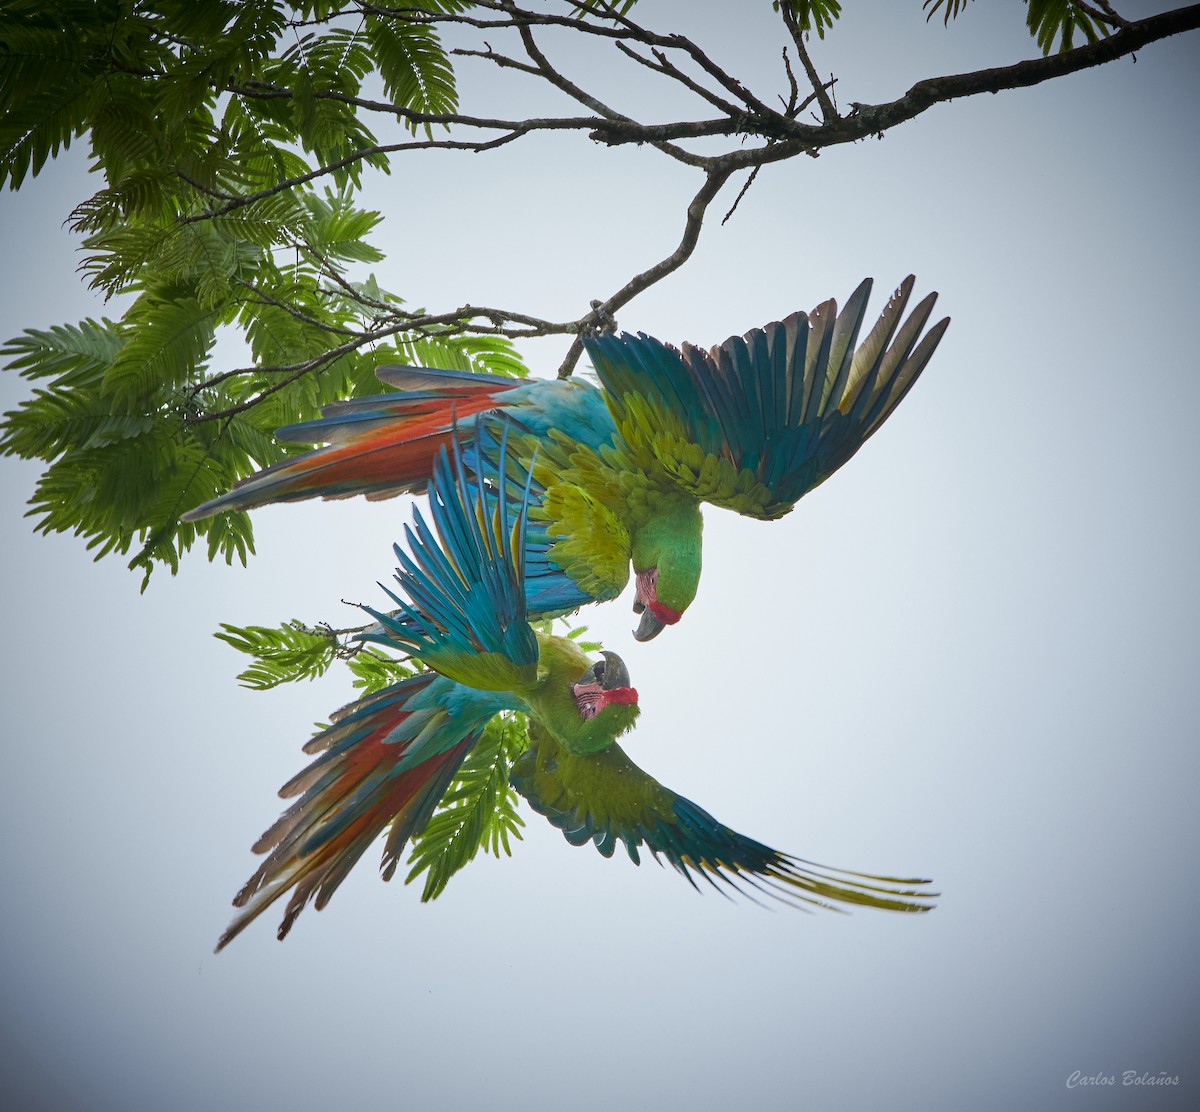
[[464, 614], [605, 798], [760, 420]]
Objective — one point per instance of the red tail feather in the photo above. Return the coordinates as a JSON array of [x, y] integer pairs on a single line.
[[352, 792], [379, 456]]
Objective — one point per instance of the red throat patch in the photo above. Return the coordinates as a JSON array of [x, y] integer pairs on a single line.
[[664, 613], [647, 595], [626, 696], [591, 698]]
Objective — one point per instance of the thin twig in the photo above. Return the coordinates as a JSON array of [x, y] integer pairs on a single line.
[[713, 182], [662, 64], [790, 106], [828, 112], [741, 193], [1102, 13]]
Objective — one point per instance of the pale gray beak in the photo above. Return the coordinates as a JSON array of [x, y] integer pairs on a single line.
[[614, 673], [649, 627]]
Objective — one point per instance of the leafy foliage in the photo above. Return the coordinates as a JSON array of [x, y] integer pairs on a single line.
[[373, 671], [200, 118], [1049, 21], [120, 469], [812, 15], [294, 651], [478, 811], [1058, 20], [284, 654]]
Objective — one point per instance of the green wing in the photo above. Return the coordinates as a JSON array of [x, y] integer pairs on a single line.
[[760, 420], [590, 542], [605, 798]]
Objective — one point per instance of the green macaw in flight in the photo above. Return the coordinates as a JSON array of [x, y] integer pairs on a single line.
[[619, 472], [387, 760]]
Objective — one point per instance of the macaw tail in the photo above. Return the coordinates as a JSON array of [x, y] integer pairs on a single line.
[[383, 764], [379, 446]]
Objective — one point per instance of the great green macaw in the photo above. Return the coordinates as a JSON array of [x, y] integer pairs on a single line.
[[752, 426], [386, 760]]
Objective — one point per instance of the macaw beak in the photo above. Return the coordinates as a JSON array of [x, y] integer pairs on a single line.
[[615, 672], [650, 626], [610, 673]]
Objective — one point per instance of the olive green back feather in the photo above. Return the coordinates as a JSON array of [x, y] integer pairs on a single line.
[[605, 798]]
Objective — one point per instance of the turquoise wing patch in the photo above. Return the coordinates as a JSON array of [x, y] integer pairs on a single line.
[[465, 612], [758, 421]]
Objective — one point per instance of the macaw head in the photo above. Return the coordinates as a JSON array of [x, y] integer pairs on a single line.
[[666, 566], [606, 703]]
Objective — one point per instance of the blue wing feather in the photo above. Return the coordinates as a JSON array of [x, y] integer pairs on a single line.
[[789, 403], [464, 586]]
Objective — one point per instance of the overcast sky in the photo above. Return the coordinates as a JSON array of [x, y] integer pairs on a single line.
[[972, 655]]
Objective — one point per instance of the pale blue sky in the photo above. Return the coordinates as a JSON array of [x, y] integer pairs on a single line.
[[972, 655]]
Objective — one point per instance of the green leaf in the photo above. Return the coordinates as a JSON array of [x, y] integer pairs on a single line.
[[52, 422], [1058, 20], [620, 7], [46, 81], [478, 810], [576, 634], [167, 344], [1049, 21], [415, 68], [490, 354], [283, 654], [373, 671], [335, 229], [812, 15], [71, 354], [951, 9]]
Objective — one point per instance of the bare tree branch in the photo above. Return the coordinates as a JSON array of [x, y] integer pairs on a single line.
[[828, 112], [741, 193], [691, 234], [938, 90], [781, 136], [662, 64]]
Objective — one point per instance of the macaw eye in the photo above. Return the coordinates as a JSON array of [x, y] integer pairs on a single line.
[[647, 589]]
